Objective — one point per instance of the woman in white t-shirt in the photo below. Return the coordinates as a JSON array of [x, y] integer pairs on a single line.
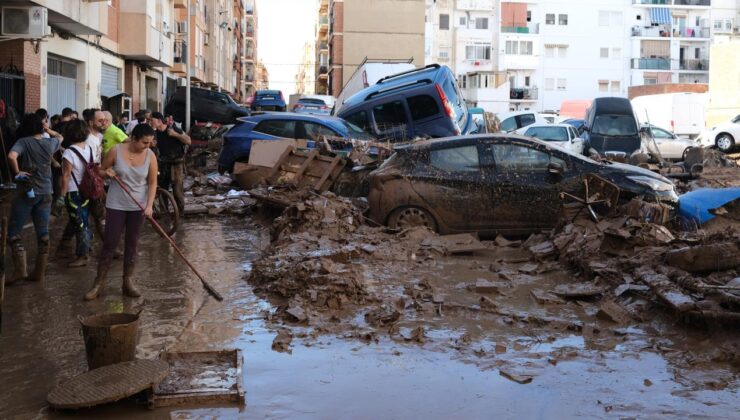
[[74, 160]]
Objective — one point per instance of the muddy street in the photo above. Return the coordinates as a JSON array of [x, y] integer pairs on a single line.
[[556, 360]]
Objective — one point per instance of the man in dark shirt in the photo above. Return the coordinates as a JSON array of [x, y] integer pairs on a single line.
[[171, 146]]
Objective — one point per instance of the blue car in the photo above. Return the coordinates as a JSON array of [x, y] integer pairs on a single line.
[[277, 125], [268, 100], [423, 102]]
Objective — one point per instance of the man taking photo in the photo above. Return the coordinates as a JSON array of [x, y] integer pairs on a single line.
[[171, 144]]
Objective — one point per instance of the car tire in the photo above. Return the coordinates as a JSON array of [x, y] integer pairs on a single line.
[[409, 217], [724, 142], [685, 152]]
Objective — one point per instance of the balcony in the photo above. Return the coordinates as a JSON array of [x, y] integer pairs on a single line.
[[77, 17], [249, 31], [677, 3], [181, 4], [324, 46], [323, 23], [143, 42], [700, 33], [659, 63], [531, 28], [486, 5], [179, 57], [523, 94], [249, 54], [699, 64]]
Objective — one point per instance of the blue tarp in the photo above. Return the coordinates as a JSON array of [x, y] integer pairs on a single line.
[[660, 15], [696, 204]]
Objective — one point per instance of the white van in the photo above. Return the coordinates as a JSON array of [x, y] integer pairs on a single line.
[[368, 74], [682, 113]]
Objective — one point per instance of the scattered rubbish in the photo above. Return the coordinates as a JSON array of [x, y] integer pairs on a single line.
[[306, 169], [611, 311], [455, 244], [282, 341], [485, 286], [520, 379], [544, 298], [704, 258], [578, 290], [698, 204], [200, 378]]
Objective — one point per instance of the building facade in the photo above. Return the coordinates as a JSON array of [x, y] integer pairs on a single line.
[[321, 48], [305, 78], [533, 54], [377, 29]]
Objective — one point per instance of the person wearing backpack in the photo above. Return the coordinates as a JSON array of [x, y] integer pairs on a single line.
[[74, 164], [135, 165]]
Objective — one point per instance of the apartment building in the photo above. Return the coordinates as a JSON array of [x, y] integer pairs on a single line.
[[305, 77], [533, 54], [321, 48], [378, 29]]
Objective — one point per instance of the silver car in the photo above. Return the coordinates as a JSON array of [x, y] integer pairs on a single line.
[[671, 146]]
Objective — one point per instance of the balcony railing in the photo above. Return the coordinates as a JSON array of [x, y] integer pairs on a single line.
[[674, 2], [523, 94], [531, 28], [323, 69], [324, 20], [250, 31], [667, 31], [323, 45], [661, 63], [694, 64], [181, 51], [487, 5]]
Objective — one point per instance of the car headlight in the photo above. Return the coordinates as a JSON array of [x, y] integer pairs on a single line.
[[651, 183]]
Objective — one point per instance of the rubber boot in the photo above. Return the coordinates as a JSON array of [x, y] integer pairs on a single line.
[[97, 289], [64, 248], [80, 261], [129, 287], [42, 259], [20, 271]]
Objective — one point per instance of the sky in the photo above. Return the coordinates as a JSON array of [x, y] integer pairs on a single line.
[[283, 26]]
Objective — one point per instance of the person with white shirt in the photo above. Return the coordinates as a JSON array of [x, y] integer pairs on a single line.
[[74, 161]]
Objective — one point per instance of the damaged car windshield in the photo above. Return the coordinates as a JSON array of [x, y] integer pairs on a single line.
[[614, 125]]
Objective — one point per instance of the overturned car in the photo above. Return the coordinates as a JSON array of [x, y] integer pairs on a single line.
[[498, 184]]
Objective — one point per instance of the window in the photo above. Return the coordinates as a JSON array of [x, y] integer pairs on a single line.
[[512, 47], [550, 19], [546, 133], [696, 53], [616, 53], [549, 84], [650, 81], [604, 52], [481, 23], [389, 115], [603, 86], [515, 158], [616, 85], [608, 18], [422, 106], [359, 119], [603, 18], [444, 21], [525, 120], [562, 20], [549, 51], [525, 48], [277, 128], [462, 21], [315, 131], [614, 125], [444, 52], [562, 52], [561, 84], [478, 52], [526, 81], [456, 159], [659, 133]]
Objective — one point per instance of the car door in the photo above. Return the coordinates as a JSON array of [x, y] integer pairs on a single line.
[[221, 106], [454, 185], [667, 145], [391, 120], [576, 142], [525, 194]]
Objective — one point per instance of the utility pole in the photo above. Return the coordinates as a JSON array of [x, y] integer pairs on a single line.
[[186, 124]]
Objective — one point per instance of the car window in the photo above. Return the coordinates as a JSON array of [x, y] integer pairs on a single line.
[[525, 120], [614, 125], [422, 106], [736, 120], [389, 115], [223, 99], [522, 159], [277, 128], [311, 101], [573, 133], [509, 124], [455, 159], [359, 119], [548, 133], [317, 131], [659, 133]]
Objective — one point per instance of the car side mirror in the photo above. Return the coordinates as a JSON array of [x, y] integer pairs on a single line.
[[555, 168]]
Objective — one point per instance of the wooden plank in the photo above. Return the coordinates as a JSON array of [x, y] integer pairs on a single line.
[[705, 258], [302, 169], [667, 291], [319, 184], [276, 169]]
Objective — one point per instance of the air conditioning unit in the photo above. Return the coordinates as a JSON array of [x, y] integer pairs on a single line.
[[182, 81], [25, 22]]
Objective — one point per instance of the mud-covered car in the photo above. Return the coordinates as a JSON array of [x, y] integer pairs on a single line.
[[494, 184]]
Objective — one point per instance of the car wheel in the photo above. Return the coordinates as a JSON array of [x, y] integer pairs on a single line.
[[685, 152], [725, 142], [409, 217]]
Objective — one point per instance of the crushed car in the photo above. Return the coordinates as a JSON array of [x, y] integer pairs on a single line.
[[497, 183]]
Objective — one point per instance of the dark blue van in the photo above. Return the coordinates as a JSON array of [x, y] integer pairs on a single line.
[[424, 102]]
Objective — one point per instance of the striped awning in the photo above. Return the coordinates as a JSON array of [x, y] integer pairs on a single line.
[[660, 15]]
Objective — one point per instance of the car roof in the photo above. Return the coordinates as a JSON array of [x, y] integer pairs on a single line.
[[440, 143], [560, 125], [257, 117], [612, 105], [431, 72], [504, 115], [267, 92]]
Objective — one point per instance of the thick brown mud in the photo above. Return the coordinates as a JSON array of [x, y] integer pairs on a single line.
[[446, 354]]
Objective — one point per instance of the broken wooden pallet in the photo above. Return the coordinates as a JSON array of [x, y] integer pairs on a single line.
[[306, 169]]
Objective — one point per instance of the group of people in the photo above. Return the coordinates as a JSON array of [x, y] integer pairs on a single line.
[[50, 163]]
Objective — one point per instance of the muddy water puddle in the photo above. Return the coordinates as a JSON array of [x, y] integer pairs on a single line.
[[572, 364]]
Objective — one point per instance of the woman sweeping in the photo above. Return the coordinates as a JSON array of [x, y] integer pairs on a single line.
[[135, 165]]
